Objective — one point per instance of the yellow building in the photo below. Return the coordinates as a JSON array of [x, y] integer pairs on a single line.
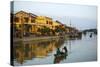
[[55, 23], [44, 21], [24, 22], [31, 23]]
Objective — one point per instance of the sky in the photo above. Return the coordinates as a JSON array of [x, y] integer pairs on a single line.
[[81, 16]]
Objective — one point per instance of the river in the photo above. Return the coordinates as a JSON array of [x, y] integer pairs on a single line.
[[42, 52]]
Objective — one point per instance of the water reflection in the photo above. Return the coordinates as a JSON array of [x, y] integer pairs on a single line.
[[37, 49], [56, 51]]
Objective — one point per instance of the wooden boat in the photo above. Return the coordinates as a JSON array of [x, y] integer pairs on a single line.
[[59, 57], [61, 54]]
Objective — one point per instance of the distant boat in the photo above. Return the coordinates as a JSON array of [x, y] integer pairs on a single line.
[[90, 35]]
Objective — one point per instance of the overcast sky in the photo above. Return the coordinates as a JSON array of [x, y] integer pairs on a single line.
[[61, 12]]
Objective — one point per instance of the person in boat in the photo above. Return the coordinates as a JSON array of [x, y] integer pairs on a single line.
[[65, 48], [61, 52], [58, 51], [65, 51]]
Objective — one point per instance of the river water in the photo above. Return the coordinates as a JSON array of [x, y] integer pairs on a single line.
[[42, 52]]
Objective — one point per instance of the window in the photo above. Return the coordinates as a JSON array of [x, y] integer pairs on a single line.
[[16, 19], [32, 21], [20, 26], [50, 23], [26, 19], [47, 22]]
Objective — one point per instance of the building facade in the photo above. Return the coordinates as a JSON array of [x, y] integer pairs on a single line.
[[25, 24]]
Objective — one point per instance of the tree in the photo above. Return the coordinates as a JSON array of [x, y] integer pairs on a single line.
[[59, 29], [45, 30]]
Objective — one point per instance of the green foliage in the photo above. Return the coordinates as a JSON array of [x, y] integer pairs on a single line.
[[44, 30], [59, 29]]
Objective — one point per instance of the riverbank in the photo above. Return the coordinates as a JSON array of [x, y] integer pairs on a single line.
[[38, 38]]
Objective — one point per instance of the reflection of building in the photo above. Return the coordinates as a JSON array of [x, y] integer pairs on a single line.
[[20, 55], [27, 51]]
